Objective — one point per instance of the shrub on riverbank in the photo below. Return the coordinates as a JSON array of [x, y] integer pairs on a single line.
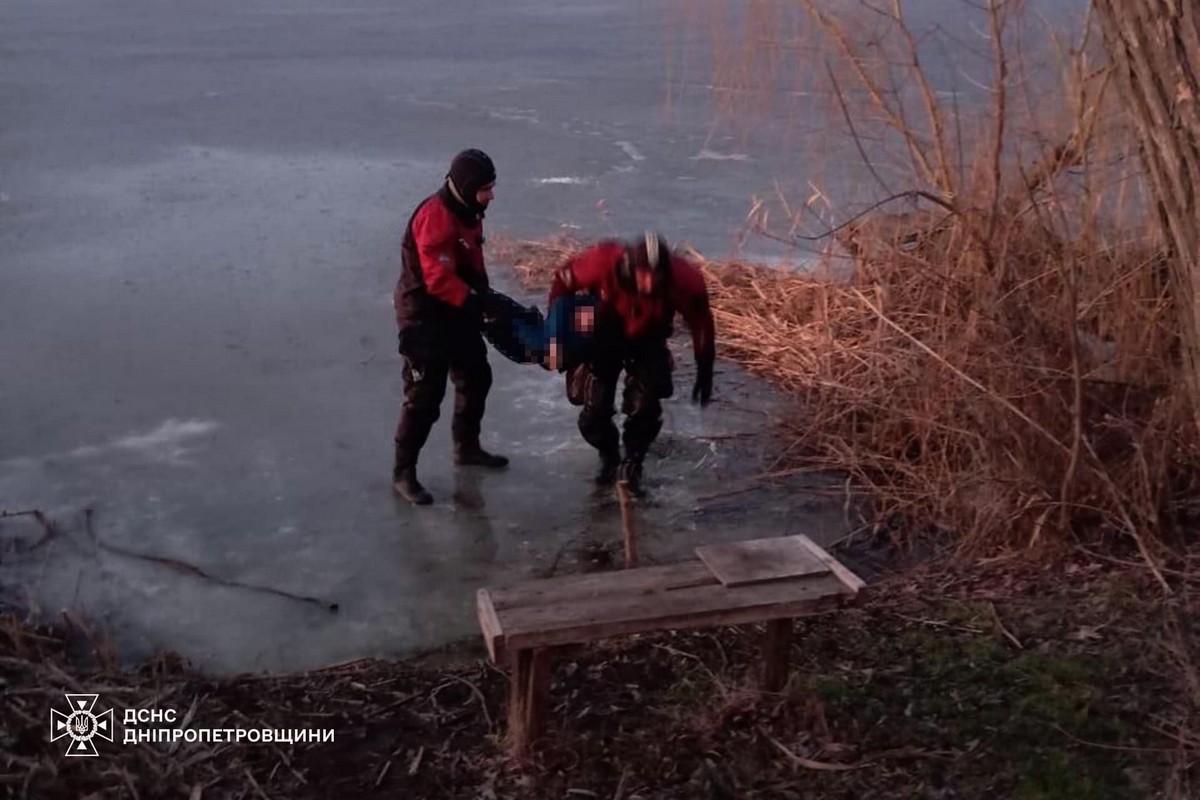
[[1001, 360]]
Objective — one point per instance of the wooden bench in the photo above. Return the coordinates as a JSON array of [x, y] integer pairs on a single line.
[[765, 580]]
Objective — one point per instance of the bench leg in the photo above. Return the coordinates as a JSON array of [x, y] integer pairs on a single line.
[[775, 646], [528, 696]]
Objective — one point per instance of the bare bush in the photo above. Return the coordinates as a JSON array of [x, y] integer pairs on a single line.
[[1003, 359]]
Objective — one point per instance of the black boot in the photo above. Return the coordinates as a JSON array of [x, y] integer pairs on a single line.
[[404, 477], [609, 463], [405, 484], [476, 456], [630, 473]]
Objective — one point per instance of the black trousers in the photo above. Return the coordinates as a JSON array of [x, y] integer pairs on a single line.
[[433, 353], [647, 365]]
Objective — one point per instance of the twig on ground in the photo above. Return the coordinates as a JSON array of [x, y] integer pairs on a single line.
[[808, 763], [937, 623], [1114, 747], [257, 789], [619, 793], [1000, 626]]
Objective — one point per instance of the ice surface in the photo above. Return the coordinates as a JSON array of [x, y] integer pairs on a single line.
[[201, 206]]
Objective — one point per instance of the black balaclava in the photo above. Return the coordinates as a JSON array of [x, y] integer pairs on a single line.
[[470, 171]]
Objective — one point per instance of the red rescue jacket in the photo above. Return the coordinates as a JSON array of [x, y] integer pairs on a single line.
[[441, 261], [595, 270]]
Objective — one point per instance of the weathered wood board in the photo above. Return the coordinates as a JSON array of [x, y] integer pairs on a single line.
[[574, 609], [771, 581], [760, 560]]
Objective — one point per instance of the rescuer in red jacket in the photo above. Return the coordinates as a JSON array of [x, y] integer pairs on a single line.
[[640, 287], [440, 300]]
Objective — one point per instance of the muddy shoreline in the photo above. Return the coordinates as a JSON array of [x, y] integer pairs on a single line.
[[973, 682]]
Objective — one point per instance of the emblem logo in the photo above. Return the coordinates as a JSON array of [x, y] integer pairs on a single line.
[[81, 725]]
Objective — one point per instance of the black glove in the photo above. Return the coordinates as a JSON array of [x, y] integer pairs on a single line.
[[532, 315], [495, 305], [473, 306], [702, 390]]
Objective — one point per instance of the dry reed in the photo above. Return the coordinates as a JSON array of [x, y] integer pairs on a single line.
[[1004, 361], [955, 412]]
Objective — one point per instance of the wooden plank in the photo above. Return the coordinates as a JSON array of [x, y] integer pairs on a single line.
[[731, 617], [489, 623], [758, 560], [851, 581], [627, 525], [664, 601], [695, 606], [578, 588], [776, 647], [528, 697], [618, 605]]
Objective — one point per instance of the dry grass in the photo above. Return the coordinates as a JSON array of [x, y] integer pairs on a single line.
[[958, 411], [988, 406], [1004, 360], [1008, 361]]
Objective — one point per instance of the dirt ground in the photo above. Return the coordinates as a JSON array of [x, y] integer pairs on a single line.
[[975, 681]]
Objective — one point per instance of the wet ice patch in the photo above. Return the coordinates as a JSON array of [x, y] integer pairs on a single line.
[[169, 435], [513, 114], [218, 186], [565, 445], [566, 180], [713, 155], [420, 101], [630, 151], [167, 442], [786, 263]]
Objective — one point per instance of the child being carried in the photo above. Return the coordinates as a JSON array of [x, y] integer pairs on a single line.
[[557, 341]]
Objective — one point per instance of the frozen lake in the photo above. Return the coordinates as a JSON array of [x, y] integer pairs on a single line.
[[201, 206]]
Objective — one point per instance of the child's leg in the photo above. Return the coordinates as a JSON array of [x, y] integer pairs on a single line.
[[516, 331], [554, 356]]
